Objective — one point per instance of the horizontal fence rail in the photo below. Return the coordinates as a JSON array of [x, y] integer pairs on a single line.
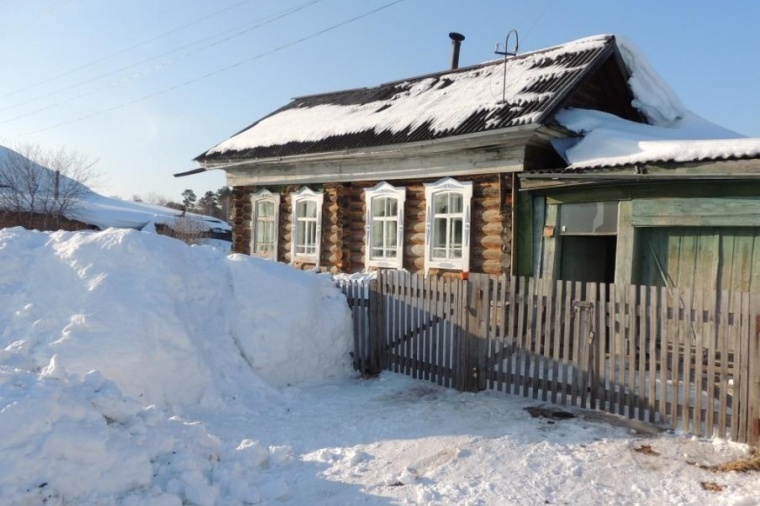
[[683, 358]]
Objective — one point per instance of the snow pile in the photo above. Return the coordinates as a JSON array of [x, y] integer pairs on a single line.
[[78, 440], [111, 340], [674, 133]]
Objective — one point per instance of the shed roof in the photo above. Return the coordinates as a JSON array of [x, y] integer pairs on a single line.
[[608, 141], [454, 102]]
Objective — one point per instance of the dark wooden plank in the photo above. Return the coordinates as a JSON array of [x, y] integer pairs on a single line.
[[743, 368], [503, 342], [699, 354], [754, 372], [652, 331], [631, 336], [687, 334], [732, 380], [642, 313], [511, 336], [675, 344], [722, 349], [494, 308], [711, 333], [567, 342], [539, 335], [440, 332], [556, 337], [599, 349], [520, 308], [621, 345], [577, 345], [663, 354], [612, 351], [425, 344]]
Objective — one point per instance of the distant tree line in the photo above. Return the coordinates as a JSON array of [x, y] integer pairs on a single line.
[[213, 203]]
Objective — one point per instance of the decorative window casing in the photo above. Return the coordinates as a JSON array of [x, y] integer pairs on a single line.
[[265, 221], [306, 235], [385, 226], [447, 225]]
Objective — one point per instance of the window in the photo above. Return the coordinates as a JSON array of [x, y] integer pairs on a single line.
[[385, 226], [307, 226], [264, 233], [447, 226]]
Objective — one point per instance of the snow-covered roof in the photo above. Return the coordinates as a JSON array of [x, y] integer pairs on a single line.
[[675, 134], [454, 102], [609, 141], [104, 212]]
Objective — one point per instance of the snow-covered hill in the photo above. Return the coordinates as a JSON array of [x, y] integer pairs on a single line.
[[100, 211]]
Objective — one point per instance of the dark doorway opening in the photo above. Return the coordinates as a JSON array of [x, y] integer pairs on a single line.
[[588, 258]]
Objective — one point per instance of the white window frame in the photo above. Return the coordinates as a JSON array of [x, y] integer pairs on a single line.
[[265, 195], [384, 190], [448, 185], [306, 194]]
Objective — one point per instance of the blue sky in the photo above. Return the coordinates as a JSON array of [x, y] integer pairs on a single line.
[[144, 86]]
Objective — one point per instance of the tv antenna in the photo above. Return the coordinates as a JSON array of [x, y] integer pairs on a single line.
[[507, 53]]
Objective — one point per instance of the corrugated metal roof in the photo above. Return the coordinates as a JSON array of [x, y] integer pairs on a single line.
[[434, 106]]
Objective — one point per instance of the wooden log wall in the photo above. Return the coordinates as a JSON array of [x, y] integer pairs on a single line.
[[343, 219], [241, 219]]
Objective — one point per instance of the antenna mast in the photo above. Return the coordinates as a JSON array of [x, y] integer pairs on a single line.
[[506, 53]]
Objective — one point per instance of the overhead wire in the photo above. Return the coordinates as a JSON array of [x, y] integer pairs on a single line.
[[122, 51], [217, 71], [243, 29]]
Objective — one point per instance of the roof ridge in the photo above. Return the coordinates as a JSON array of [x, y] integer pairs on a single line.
[[606, 37]]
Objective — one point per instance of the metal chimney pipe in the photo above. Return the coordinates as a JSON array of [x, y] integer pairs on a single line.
[[456, 41]]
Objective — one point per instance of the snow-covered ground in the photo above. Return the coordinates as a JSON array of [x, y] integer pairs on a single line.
[[137, 370]]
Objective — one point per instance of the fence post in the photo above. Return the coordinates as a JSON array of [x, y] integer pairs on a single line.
[[374, 362], [475, 332]]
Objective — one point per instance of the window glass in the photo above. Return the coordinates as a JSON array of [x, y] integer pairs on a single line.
[[384, 227], [448, 225], [447, 234], [264, 209], [441, 203], [264, 233], [455, 202]]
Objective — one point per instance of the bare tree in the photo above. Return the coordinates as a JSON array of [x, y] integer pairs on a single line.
[[188, 228], [38, 184]]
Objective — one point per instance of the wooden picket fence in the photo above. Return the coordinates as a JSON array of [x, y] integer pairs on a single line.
[[687, 359]]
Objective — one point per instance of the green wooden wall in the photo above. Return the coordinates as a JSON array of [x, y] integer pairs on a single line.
[[703, 258]]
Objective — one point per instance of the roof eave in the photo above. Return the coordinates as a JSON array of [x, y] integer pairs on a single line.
[[516, 134]]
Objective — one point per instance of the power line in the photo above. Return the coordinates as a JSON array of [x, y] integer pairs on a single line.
[[247, 29], [217, 71], [122, 51]]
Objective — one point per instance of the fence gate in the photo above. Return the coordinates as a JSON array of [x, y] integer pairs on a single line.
[[687, 359]]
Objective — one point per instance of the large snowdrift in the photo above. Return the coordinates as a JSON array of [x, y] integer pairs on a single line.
[[107, 338]]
